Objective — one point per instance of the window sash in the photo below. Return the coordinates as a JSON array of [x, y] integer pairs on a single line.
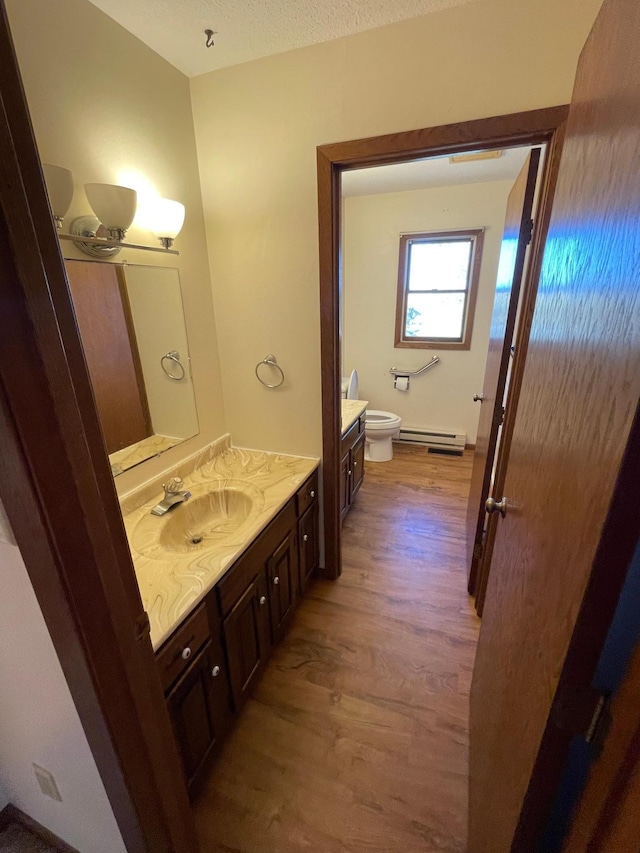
[[463, 340]]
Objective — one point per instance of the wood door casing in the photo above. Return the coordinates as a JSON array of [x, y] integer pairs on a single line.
[[515, 240], [578, 401], [534, 127], [101, 307]]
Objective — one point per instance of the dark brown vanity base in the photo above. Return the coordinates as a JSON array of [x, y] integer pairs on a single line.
[[352, 464], [212, 661]]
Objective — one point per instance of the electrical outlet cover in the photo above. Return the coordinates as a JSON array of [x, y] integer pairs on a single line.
[[47, 783]]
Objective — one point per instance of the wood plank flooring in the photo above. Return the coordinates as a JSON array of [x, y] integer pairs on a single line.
[[356, 738]]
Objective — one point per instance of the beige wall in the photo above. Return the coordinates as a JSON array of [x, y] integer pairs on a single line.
[[257, 128], [39, 723], [441, 398], [156, 308], [111, 110]]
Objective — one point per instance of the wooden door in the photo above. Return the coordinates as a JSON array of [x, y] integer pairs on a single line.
[[309, 546], [567, 483], [108, 339], [516, 237], [247, 638], [345, 484], [282, 576], [357, 466]]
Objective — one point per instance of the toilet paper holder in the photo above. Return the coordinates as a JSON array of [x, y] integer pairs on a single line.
[[407, 374]]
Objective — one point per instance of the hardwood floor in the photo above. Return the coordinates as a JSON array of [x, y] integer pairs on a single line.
[[356, 737]]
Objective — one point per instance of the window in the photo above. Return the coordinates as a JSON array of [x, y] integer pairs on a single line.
[[438, 276]]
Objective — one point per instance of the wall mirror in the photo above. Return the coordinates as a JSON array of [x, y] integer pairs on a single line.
[[131, 323]]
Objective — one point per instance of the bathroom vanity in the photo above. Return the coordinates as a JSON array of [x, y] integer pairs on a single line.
[[352, 451], [220, 577]]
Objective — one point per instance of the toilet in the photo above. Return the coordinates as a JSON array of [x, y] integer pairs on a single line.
[[380, 427], [380, 430]]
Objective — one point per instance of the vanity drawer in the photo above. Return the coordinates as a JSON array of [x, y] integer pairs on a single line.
[[307, 494], [350, 437], [177, 653]]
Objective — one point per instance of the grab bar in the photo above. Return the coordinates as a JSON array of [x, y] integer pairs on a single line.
[[395, 372]]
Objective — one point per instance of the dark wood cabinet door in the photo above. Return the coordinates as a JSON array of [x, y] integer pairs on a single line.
[[282, 576], [196, 708], [247, 638], [308, 546], [345, 485], [357, 466]]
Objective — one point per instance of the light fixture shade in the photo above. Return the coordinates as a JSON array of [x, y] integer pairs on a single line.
[[167, 218], [59, 183], [114, 206]]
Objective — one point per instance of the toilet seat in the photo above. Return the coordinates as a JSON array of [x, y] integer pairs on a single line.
[[376, 419]]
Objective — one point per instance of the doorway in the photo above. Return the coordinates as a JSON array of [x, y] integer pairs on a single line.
[[421, 248], [540, 127]]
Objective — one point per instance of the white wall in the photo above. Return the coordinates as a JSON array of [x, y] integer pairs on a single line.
[[442, 397], [110, 109], [257, 128], [39, 723]]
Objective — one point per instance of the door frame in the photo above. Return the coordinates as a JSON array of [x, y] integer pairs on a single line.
[[535, 127], [60, 498]]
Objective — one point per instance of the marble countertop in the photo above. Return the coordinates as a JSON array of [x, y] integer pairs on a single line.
[[351, 411], [174, 574]]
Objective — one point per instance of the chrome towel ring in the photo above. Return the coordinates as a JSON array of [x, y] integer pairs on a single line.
[[174, 357], [271, 361]]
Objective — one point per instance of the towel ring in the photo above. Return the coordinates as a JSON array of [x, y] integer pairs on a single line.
[[174, 357], [272, 362]]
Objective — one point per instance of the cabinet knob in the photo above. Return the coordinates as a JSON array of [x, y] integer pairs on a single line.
[[355, 464], [276, 580], [350, 472], [305, 538], [215, 671], [186, 653], [312, 493], [478, 398], [263, 600]]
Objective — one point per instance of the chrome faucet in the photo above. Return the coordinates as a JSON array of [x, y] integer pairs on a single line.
[[172, 496]]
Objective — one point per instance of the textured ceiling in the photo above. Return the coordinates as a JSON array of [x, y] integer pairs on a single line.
[[249, 29], [436, 172]]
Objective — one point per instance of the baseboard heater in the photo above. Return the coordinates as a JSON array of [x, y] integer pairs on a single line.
[[435, 440]]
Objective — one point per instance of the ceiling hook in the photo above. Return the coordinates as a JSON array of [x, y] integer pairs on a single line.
[[210, 34]]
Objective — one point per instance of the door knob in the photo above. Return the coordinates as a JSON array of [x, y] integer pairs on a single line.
[[478, 398], [492, 505]]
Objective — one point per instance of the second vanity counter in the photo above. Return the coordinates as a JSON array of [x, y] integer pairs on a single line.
[[351, 410], [179, 557]]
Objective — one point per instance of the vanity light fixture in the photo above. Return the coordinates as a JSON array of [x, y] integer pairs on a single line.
[[167, 221], [59, 183], [102, 235], [114, 206]]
